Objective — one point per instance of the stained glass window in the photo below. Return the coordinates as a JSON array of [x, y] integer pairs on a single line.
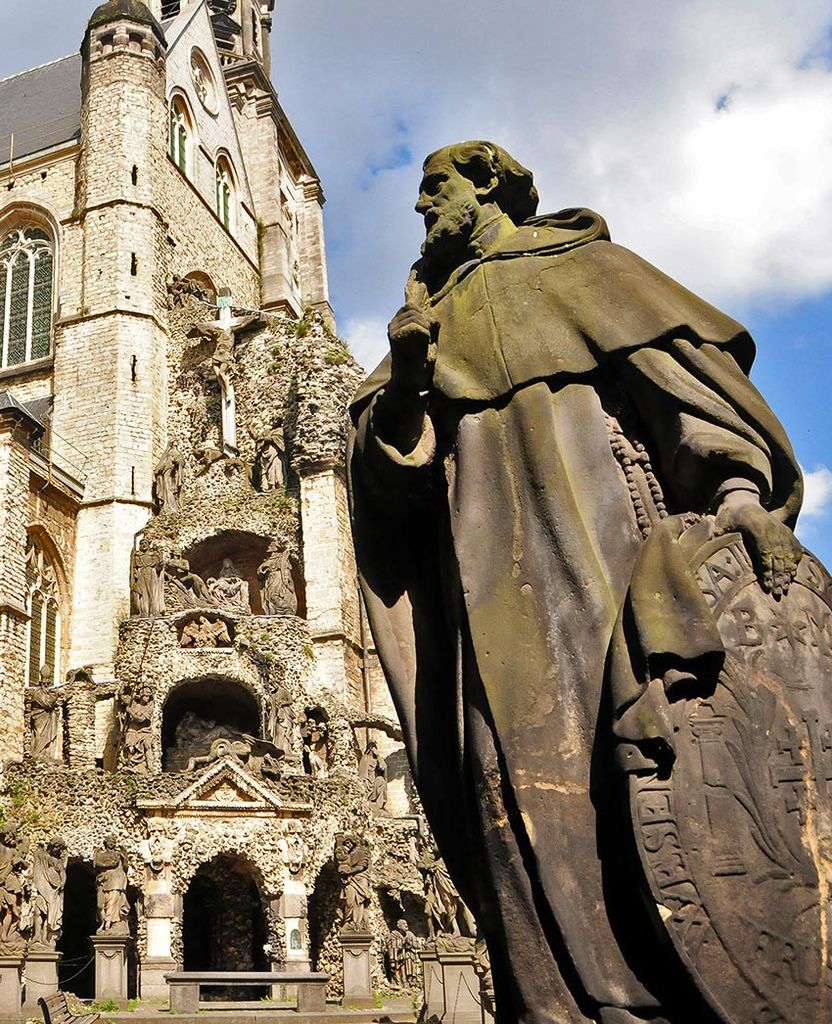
[[44, 629], [225, 193], [26, 273], [179, 135]]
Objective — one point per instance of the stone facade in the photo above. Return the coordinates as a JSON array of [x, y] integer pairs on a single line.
[[186, 661]]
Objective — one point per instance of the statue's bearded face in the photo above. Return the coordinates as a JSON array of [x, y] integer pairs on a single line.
[[448, 202]]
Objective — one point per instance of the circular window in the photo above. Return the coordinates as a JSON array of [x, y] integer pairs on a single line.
[[203, 79]]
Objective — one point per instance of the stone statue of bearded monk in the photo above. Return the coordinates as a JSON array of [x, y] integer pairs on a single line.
[[550, 400]]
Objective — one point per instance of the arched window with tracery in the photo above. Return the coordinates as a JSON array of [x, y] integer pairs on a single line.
[[43, 646], [26, 276], [225, 193], [180, 131]]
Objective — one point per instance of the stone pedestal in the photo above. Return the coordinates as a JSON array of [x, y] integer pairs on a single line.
[[358, 978], [41, 977], [152, 984], [451, 984], [111, 966], [11, 986]]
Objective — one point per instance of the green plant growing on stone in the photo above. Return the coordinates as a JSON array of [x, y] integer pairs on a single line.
[[336, 355]]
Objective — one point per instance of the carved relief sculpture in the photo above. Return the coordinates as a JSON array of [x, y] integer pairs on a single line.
[[48, 882], [293, 850], [280, 720], [167, 481], [352, 859], [277, 588], [111, 888], [554, 401], [44, 716], [205, 632]]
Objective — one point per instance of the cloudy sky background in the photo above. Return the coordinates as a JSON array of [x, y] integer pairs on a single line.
[[701, 129]]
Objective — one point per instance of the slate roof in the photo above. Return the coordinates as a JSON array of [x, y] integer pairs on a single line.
[[41, 107]]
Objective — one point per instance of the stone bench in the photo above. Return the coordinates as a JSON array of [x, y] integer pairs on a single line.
[[184, 986]]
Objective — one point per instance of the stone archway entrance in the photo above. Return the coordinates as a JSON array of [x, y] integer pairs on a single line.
[[224, 921]]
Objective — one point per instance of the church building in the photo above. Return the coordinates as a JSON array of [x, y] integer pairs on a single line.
[[188, 683]]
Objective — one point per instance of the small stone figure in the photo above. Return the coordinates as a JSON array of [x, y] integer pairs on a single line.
[[13, 859], [372, 770], [184, 588], [277, 588], [44, 716], [403, 968], [293, 850], [443, 905], [158, 848], [229, 589], [147, 591], [352, 859], [280, 720], [315, 753], [167, 481], [205, 632], [181, 289], [271, 461], [111, 887], [137, 742], [48, 882]]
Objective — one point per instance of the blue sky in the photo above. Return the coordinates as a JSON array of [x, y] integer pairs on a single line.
[[701, 129]]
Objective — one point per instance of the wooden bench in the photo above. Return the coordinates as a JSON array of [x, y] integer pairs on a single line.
[[185, 985], [55, 1011]]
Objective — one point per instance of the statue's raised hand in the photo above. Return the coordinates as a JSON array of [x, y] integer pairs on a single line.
[[773, 547], [409, 333]]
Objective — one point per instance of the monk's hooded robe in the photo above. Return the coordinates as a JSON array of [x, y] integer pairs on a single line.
[[495, 558]]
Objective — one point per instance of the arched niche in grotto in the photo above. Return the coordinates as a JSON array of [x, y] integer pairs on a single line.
[[224, 925], [200, 711], [242, 553], [76, 969]]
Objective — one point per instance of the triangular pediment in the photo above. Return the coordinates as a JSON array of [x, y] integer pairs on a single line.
[[225, 788]]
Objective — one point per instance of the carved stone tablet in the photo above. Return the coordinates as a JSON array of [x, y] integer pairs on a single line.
[[736, 844]]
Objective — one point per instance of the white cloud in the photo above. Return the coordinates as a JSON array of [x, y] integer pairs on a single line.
[[818, 499], [613, 106], [365, 337]]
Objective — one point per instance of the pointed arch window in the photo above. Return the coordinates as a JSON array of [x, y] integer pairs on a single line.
[[26, 281], [179, 140], [43, 643], [225, 193]]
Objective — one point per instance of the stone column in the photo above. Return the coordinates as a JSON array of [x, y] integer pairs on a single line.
[[11, 988], [111, 966], [160, 910], [358, 977], [41, 977]]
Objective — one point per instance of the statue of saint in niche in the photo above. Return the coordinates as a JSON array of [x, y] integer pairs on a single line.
[[372, 770], [553, 416], [111, 887]]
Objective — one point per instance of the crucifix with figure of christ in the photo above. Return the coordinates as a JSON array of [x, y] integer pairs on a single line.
[[225, 330]]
